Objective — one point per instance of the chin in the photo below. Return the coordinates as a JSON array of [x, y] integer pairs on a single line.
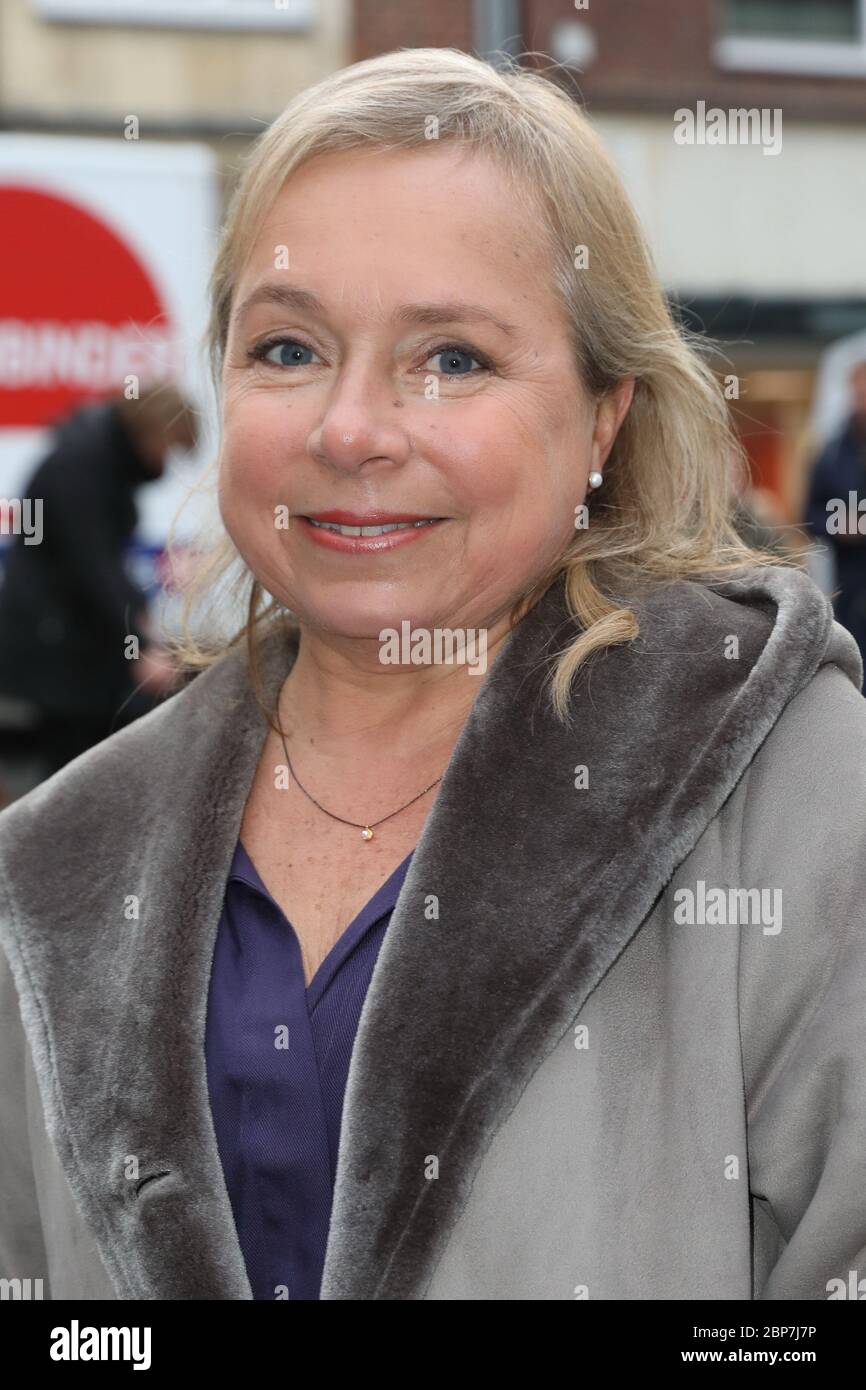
[[363, 610]]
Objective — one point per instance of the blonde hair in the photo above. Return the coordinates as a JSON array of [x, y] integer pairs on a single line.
[[665, 512]]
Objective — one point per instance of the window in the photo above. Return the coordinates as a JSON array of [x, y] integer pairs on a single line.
[[820, 37], [828, 19], [288, 15]]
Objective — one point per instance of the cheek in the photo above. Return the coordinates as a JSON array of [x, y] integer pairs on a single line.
[[249, 483], [520, 474], [258, 438], [533, 494], [483, 453]]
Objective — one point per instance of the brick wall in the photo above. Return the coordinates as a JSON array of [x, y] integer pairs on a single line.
[[381, 25], [657, 55]]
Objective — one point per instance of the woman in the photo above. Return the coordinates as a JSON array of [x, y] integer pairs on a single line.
[[359, 972]]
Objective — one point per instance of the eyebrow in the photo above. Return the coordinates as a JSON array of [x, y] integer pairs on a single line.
[[430, 315]]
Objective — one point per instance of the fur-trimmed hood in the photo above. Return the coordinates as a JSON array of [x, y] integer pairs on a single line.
[[544, 885]]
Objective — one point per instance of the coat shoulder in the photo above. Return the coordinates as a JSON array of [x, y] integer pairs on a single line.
[[799, 817], [812, 764], [802, 803]]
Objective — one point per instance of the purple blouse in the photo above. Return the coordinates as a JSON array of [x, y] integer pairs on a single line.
[[277, 1058]]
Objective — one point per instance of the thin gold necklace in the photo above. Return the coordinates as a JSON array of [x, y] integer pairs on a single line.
[[365, 829]]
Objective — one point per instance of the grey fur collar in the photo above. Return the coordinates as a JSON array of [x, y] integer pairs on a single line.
[[540, 887]]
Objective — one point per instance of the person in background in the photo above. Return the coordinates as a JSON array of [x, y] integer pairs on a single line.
[[67, 604], [839, 471]]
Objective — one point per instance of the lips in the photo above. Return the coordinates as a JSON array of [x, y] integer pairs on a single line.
[[382, 530], [369, 523], [372, 532]]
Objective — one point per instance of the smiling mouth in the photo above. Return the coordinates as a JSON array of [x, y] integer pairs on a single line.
[[378, 530]]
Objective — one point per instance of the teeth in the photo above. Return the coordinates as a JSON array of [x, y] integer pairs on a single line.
[[369, 530]]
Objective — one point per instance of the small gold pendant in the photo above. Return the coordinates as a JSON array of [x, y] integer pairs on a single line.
[[366, 833]]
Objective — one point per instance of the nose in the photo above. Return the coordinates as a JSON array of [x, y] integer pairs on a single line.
[[358, 429]]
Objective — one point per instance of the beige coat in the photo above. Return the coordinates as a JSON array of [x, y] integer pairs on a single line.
[[560, 1087]]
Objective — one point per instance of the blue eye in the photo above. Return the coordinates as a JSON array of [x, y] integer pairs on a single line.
[[452, 354], [288, 351]]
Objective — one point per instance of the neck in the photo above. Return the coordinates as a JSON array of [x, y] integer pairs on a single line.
[[338, 695]]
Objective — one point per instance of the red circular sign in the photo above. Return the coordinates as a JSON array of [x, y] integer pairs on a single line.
[[79, 313]]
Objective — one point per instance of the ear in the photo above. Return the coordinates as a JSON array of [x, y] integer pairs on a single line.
[[611, 412]]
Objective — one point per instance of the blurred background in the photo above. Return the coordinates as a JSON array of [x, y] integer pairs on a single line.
[[121, 126]]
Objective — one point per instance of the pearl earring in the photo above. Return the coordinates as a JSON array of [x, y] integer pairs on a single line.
[[595, 480]]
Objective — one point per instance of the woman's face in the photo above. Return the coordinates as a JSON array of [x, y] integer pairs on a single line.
[[395, 353]]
